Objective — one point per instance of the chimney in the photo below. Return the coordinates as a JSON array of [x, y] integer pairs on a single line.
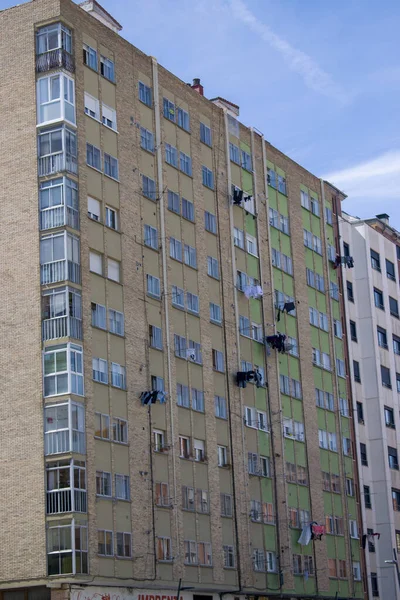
[[198, 87], [383, 217]]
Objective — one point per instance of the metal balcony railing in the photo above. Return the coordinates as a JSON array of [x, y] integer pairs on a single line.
[[57, 163], [55, 59], [59, 442], [59, 327], [60, 270], [67, 500], [58, 217]]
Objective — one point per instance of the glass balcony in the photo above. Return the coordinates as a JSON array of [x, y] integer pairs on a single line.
[[66, 487], [54, 48], [64, 426], [59, 258], [57, 151], [61, 314]]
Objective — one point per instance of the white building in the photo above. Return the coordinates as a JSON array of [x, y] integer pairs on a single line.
[[371, 291]]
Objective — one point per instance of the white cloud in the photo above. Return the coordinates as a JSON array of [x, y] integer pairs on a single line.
[[300, 62], [376, 178]]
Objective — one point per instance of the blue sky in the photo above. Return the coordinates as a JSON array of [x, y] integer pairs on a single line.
[[320, 79]]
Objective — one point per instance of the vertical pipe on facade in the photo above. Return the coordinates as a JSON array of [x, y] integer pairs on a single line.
[[271, 275], [336, 384], [165, 274], [229, 177]]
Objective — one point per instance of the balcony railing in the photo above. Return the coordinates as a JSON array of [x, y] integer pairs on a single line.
[[55, 59], [60, 327], [59, 442], [67, 500], [57, 163], [58, 217], [60, 270]]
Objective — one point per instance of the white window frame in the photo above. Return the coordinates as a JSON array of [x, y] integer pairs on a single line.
[[66, 89], [100, 370], [109, 117], [92, 106], [114, 270]]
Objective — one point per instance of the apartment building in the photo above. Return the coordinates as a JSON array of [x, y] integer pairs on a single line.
[[373, 328], [175, 393]]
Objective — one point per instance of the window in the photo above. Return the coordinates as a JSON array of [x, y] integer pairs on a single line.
[[323, 439], [153, 286], [58, 201], [337, 328], [215, 313], [332, 567], [363, 454], [393, 458], [146, 139], [398, 382], [218, 361], [100, 370], [118, 377], [92, 106], [99, 316], [238, 237], [96, 263], [205, 134], [367, 497], [192, 303], [64, 428], [210, 222], [190, 256], [63, 370], [122, 491], [184, 447], [220, 407], [124, 544], [356, 371], [344, 407], [382, 337], [356, 571], [151, 237], [389, 417], [350, 295], [212, 267], [353, 529], [55, 98], [187, 210], [374, 585], [346, 446], [155, 337], [60, 553], [207, 177], [120, 430], [360, 412], [171, 155], [328, 216], [246, 161], [222, 453], [342, 569], [90, 57], [145, 94], [93, 157], [244, 326], [340, 368], [334, 291], [178, 297], [149, 187], [183, 119], [185, 163], [378, 299], [390, 272], [305, 199], [198, 400], [394, 307], [113, 270], [396, 344], [180, 346], [175, 249], [111, 218], [159, 440], [182, 394], [110, 166], [162, 495], [234, 153], [188, 498], [174, 202], [251, 245], [314, 206], [105, 543], [102, 426], [204, 553], [107, 68], [385, 375], [109, 117], [190, 552], [259, 560], [53, 37], [229, 557], [164, 553], [332, 441], [297, 564], [353, 331], [375, 260], [350, 488], [199, 453], [103, 484], [169, 110]]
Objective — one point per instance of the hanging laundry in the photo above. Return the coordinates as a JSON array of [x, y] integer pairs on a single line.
[[317, 531], [370, 537], [277, 342], [253, 291], [258, 378], [242, 377], [338, 261], [191, 354], [148, 397], [237, 197], [305, 536], [289, 307], [349, 262], [306, 574]]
